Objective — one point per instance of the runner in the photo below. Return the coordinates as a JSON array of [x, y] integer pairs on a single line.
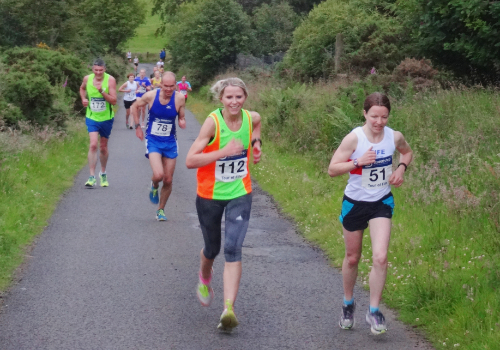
[[156, 81], [136, 64], [184, 87], [221, 153], [152, 75], [144, 85], [366, 154], [129, 56], [184, 81], [163, 54], [161, 140], [100, 88], [129, 88]]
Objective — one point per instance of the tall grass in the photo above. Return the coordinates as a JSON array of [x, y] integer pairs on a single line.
[[444, 259], [35, 169]]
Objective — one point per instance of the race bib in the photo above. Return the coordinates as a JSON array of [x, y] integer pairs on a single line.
[[142, 89], [161, 129], [377, 175], [130, 96], [97, 104], [232, 168], [184, 92]]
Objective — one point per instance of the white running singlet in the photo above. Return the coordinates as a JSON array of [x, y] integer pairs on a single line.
[[130, 96], [369, 183]]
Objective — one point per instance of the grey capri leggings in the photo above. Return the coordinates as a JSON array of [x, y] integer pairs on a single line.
[[237, 215]]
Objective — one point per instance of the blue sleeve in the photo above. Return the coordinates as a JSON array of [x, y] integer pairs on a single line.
[[188, 84], [148, 83]]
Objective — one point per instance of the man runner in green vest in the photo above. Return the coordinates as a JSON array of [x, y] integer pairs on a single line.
[[98, 94]]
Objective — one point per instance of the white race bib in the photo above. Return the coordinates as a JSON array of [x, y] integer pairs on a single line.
[[97, 104], [184, 92], [130, 96], [142, 89], [161, 129], [377, 175], [233, 168]]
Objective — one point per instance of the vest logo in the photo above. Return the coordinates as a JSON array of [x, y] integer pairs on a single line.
[[379, 151], [222, 130], [168, 107]]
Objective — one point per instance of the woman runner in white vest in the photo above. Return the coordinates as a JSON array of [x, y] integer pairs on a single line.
[[366, 154], [129, 88]]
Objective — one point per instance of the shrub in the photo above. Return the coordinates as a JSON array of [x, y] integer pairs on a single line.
[[39, 85], [207, 36]]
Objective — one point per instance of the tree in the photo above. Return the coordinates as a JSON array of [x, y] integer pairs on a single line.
[[207, 36], [274, 25]]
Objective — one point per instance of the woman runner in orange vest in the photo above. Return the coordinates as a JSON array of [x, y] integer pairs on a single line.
[[221, 152]]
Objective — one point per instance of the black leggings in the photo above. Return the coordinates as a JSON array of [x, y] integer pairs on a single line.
[[237, 216]]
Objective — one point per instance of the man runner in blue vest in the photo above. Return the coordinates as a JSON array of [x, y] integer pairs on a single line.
[[165, 105]]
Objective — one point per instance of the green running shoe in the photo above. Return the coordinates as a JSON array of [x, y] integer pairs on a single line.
[[160, 215], [228, 319], [103, 179], [204, 291], [91, 182], [153, 195]]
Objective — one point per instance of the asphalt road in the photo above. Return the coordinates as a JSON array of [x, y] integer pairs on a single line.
[[106, 275]]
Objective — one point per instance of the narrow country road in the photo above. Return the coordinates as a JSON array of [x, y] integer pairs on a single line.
[[106, 275]]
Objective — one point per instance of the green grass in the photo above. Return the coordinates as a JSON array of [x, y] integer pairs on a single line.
[[31, 184], [145, 39], [444, 255]]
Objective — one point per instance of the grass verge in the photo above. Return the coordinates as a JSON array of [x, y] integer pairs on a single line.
[[444, 256], [31, 183]]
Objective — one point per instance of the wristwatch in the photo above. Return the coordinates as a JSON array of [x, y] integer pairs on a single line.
[[137, 126], [355, 162]]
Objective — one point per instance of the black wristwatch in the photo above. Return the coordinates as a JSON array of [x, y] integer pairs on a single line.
[[137, 126], [255, 140]]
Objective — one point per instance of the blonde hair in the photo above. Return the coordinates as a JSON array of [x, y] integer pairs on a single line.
[[218, 88]]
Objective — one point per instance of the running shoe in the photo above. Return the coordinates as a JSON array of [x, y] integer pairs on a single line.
[[160, 215], [103, 179], [347, 317], [143, 126], [228, 319], [153, 195], [126, 125], [91, 182], [205, 293], [377, 322], [130, 127]]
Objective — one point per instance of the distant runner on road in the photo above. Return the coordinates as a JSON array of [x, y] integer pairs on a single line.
[[184, 87], [129, 56], [129, 88], [156, 81], [136, 64], [161, 139], [221, 152], [144, 85], [98, 94], [366, 154]]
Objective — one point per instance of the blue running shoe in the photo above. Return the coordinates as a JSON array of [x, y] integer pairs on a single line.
[[160, 215], [153, 195]]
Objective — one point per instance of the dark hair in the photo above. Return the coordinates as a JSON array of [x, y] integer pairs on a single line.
[[376, 99], [99, 62]]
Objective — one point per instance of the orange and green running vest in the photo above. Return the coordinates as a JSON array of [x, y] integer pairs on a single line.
[[229, 177], [98, 109]]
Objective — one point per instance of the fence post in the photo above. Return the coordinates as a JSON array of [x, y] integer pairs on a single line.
[[339, 48]]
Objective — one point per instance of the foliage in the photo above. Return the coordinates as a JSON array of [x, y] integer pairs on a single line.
[[460, 33], [88, 27], [113, 21], [33, 84], [370, 39], [207, 36], [273, 25]]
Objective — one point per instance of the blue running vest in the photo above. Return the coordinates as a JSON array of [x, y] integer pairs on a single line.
[[161, 122]]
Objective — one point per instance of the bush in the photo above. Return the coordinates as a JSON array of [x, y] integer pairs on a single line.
[[207, 36], [371, 39], [39, 85]]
